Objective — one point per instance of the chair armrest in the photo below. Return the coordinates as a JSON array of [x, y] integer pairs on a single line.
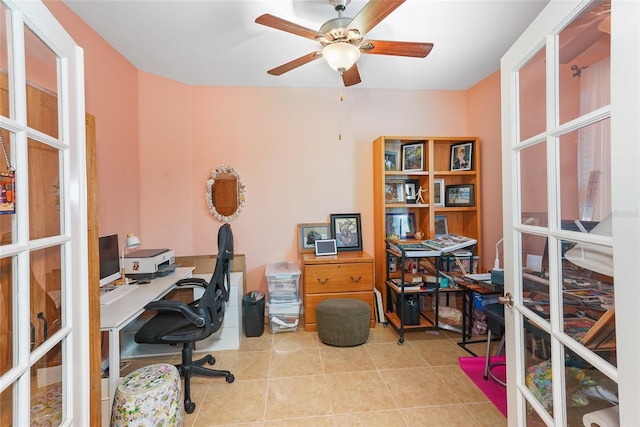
[[177, 306], [191, 281]]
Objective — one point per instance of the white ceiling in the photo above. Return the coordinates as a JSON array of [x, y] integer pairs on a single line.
[[217, 42]]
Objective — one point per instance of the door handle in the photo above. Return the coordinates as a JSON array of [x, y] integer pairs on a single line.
[[45, 325], [506, 300]]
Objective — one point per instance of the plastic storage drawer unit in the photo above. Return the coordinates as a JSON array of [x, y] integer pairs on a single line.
[[283, 280], [284, 317]]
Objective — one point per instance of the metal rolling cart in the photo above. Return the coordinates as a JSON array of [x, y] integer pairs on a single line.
[[405, 289]]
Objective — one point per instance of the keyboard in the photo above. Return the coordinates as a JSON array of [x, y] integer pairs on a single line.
[[115, 294]]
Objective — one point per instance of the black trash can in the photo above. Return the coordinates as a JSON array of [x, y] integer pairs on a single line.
[[253, 309], [409, 310]]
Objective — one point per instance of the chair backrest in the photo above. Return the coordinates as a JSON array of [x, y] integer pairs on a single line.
[[211, 305]]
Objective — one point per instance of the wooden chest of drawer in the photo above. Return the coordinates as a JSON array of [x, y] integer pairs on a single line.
[[346, 275]]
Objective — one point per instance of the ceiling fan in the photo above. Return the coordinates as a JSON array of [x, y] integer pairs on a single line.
[[586, 30], [342, 39]]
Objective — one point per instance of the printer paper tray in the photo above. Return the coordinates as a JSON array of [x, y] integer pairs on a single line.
[[163, 270]]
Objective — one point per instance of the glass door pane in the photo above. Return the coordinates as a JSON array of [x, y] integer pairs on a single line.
[[39, 103], [563, 263]]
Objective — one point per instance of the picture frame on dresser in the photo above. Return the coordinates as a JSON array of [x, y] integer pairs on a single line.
[[347, 230], [309, 233], [413, 157]]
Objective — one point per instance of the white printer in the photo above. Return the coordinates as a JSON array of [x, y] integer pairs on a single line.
[[149, 263]]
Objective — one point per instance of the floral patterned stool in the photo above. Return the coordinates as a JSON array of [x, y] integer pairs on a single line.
[[151, 396], [46, 407]]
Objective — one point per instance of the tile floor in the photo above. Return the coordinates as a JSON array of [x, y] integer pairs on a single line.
[[293, 379]]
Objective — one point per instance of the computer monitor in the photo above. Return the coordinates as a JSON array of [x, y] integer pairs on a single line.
[[109, 259]]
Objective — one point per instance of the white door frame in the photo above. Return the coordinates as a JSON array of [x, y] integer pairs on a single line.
[[625, 157], [74, 332]]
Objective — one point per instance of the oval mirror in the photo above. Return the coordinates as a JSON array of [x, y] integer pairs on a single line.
[[225, 193]]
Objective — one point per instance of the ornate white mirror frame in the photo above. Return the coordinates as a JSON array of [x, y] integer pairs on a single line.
[[226, 173]]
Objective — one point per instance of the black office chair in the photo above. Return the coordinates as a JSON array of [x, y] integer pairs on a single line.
[[180, 323]]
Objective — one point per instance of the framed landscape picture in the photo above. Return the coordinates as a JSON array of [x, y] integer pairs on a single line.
[[309, 233], [460, 195]]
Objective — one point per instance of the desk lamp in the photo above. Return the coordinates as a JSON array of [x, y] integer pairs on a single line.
[[132, 241], [592, 257], [496, 263]]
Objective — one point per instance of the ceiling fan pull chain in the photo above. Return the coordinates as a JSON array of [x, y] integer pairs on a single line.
[[340, 109]]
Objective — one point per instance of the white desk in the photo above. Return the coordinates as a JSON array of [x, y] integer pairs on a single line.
[[228, 337], [118, 314]]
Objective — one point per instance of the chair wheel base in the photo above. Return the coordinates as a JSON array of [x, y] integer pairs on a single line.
[[189, 407]]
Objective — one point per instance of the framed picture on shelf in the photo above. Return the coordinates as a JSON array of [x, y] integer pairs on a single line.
[[309, 233], [390, 161], [347, 231], [461, 156], [440, 225], [413, 157], [394, 192], [401, 225], [438, 192], [461, 195], [411, 190]]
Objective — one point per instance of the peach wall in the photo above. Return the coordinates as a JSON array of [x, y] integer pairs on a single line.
[[484, 120], [284, 144], [111, 95], [158, 140]]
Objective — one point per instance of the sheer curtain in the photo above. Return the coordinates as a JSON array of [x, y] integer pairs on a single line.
[[594, 145]]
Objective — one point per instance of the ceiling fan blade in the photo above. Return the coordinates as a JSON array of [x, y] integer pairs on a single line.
[[385, 47], [580, 42], [372, 13], [351, 76], [289, 27], [295, 63]]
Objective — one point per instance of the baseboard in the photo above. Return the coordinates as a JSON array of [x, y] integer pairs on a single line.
[[46, 376]]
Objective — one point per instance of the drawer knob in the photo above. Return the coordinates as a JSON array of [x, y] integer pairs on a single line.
[[322, 282], [356, 280]]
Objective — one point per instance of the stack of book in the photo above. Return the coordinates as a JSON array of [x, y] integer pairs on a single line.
[[449, 243], [413, 249], [589, 296]]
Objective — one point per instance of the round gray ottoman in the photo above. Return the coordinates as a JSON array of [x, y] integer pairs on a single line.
[[343, 322]]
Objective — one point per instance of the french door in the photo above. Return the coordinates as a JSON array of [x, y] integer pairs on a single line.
[[44, 338], [570, 157]]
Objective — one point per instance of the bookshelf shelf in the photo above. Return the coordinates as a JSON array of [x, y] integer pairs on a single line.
[[436, 165]]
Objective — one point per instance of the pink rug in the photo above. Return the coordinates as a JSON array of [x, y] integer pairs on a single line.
[[474, 368]]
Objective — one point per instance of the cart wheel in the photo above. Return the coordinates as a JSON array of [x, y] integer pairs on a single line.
[[401, 341], [385, 324]]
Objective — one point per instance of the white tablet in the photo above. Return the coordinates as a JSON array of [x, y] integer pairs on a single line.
[[326, 247]]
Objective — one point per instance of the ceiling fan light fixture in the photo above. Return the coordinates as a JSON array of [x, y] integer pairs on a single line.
[[341, 56]]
